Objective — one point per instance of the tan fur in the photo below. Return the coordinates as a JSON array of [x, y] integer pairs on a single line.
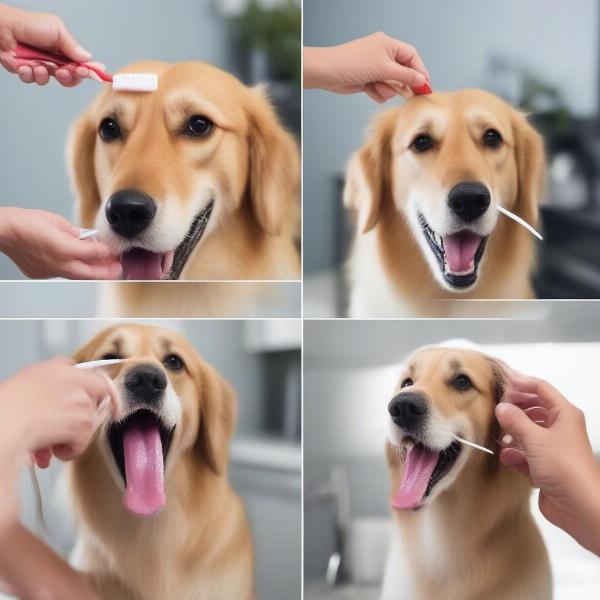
[[488, 545], [199, 545], [379, 182], [250, 160]]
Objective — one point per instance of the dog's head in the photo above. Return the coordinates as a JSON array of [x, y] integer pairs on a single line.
[[156, 172], [174, 408], [443, 163], [442, 393]]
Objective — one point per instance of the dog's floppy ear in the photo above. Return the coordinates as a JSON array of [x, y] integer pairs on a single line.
[[274, 168], [217, 419], [368, 176], [80, 160], [530, 159]]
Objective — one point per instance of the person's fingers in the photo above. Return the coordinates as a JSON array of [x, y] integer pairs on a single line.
[[372, 92], [65, 451], [401, 89], [512, 457], [42, 458], [408, 55], [8, 62], [65, 78], [384, 90], [41, 75], [25, 74], [76, 269], [406, 75], [69, 46], [95, 385], [513, 420]]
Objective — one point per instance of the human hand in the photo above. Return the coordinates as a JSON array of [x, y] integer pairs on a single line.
[[557, 458], [52, 408], [43, 245], [44, 31], [377, 64]]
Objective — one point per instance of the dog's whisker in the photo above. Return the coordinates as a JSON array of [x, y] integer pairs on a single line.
[[520, 221], [472, 444]]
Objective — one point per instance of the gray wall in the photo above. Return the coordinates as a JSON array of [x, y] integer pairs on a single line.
[[34, 121], [456, 39]]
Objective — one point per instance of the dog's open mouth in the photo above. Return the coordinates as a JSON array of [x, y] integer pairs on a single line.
[[140, 445], [423, 469], [458, 254], [138, 263]]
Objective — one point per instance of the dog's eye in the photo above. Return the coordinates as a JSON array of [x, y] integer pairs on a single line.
[[492, 138], [407, 382], [109, 130], [422, 143], [111, 356], [462, 382], [173, 362], [199, 126]]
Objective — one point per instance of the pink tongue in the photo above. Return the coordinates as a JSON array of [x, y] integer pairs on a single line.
[[460, 250], [145, 491], [418, 468], [142, 264]]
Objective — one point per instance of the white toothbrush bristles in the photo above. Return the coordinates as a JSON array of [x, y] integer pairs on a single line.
[[519, 221], [135, 82], [472, 444]]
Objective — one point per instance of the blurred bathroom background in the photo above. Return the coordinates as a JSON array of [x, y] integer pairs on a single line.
[[261, 360], [256, 40], [350, 371], [541, 56]]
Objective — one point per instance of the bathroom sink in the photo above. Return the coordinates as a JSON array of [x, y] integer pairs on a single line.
[[319, 590]]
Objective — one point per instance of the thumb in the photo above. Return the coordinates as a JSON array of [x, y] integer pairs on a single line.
[[69, 46], [516, 422]]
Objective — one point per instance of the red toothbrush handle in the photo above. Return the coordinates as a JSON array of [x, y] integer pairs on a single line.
[[25, 52], [422, 90], [29, 53]]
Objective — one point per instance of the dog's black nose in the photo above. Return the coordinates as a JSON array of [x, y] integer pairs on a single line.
[[469, 200], [146, 382], [408, 410], [129, 212]]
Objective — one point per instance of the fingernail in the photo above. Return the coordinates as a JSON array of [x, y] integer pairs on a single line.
[[83, 52], [420, 79]]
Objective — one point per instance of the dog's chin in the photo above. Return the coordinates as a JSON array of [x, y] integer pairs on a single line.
[[454, 258]]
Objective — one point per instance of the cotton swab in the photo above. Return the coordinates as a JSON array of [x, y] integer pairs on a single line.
[[87, 233], [519, 221], [472, 444], [94, 364]]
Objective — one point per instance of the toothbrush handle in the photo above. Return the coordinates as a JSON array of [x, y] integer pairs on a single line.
[[25, 52], [29, 53]]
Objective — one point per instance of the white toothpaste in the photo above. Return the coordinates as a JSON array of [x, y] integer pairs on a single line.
[[472, 444], [519, 221]]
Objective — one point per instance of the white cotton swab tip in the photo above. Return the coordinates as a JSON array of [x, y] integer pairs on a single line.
[[472, 444], [135, 82], [519, 221]]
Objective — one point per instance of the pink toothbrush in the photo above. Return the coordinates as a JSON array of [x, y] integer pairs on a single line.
[[125, 82]]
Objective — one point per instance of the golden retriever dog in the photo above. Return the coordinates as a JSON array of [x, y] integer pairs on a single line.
[[197, 180], [425, 188], [157, 517], [462, 524]]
